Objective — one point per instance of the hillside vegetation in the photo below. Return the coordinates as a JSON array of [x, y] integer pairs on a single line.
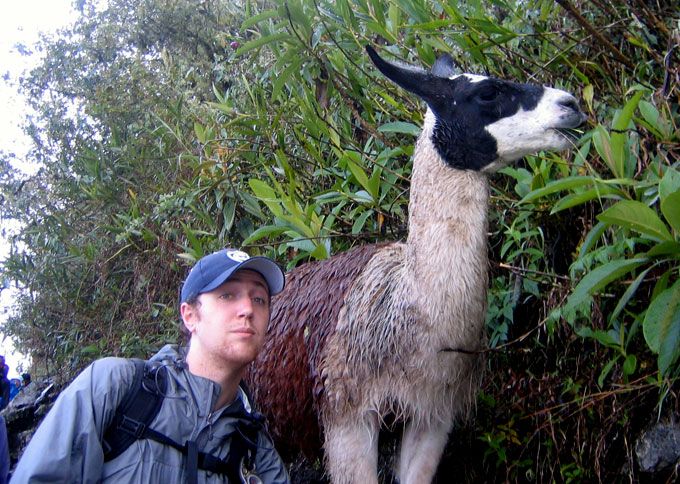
[[164, 130]]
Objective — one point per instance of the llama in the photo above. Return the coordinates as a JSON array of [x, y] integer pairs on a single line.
[[366, 335]]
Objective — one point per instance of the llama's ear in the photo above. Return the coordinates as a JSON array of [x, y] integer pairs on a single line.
[[444, 67], [420, 82]]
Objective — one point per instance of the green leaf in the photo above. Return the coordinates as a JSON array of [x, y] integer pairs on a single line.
[[256, 43], [199, 130], [602, 144], [357, 171], [619, 135], [255, 19], [670, 183], [282, 78], [592, 238], [670, 207], [637, 216], [605, 371], [654, 120], [579, 198], [266, 231], [605, 338], [627, 295], [668, 247], [558, 186], [661, 327], [90, 350], [358, 225], [600, 277], [629, 365], [266, 194], [400, 127]]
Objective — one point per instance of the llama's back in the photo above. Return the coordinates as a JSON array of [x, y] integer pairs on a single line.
[[285, 379]]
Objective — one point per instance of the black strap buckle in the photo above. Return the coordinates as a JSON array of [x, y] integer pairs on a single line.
[[132, 427]]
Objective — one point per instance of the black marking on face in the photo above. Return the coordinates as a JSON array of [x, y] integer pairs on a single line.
[[465, 108]]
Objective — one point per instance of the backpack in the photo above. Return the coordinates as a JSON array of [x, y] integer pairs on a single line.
[[139, 407]]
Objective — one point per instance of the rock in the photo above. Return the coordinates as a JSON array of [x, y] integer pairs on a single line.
[[25, 412], [658, 448]]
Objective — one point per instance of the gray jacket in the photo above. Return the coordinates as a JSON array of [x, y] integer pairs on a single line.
[[67, 445]]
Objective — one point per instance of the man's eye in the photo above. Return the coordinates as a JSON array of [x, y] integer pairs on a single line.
[[226, 295], [260, 300]]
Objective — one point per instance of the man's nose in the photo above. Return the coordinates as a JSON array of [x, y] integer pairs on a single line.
[[245, 306]]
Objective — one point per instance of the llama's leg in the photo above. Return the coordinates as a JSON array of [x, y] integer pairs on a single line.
[[421, 449], [352, 450]]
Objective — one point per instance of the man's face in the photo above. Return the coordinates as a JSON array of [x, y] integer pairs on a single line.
[[228, 325]]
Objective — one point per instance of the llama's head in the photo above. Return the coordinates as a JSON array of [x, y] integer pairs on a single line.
[[481, 123]]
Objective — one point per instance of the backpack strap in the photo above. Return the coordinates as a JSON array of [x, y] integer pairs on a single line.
[[139, 407], [141, 404]]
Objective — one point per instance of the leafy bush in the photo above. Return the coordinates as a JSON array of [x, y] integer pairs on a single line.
[[165, 130]]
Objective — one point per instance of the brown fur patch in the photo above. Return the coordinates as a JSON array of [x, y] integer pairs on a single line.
[[285, 379]]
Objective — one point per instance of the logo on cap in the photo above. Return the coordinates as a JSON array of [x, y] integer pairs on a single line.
[[237, 255]]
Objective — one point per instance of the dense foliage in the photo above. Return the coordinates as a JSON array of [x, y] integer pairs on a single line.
[[165, 130]]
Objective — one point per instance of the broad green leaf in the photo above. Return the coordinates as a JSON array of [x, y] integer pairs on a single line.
[[297, 15], [636, 216], [606, 338], [669, 193], [284, 75], [606, 370], [262, 190], [619, 134], [661, 327], [267, 195], [558, 186], [394, 16], [592, 238], [588, 94], [627, 295], [90, 350], [357, 171], [400, 127], [374, 184], [602, 144], [255, 19], [579, 198], [668, 247], [266, 231], [320, 252], [199, 130], [670, 207], [629, 365], [670, 183], [256, 43], [654, 120], [299, 224], [359, 223], [600, 277]]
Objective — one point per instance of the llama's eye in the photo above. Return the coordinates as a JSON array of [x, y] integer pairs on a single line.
[[487, 95]]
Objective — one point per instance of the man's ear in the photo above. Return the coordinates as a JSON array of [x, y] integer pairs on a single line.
[[189, 313]]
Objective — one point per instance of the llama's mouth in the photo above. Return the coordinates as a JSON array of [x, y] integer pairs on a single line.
[[571, 134]]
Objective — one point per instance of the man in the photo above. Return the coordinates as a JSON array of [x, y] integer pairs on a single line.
[[4, 385], [225, 309], [4, 452]]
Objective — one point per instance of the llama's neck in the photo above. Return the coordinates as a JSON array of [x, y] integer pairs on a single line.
[[447, 240]]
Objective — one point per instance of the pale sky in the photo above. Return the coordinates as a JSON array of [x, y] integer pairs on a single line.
[[20, 22]]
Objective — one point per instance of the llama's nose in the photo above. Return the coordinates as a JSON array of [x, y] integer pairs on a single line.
[[573, 110], [570, 103]]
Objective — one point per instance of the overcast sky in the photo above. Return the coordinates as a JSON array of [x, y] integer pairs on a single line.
[[20, 22]]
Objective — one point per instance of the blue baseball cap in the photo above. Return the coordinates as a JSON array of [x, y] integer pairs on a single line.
[[214, 269]]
